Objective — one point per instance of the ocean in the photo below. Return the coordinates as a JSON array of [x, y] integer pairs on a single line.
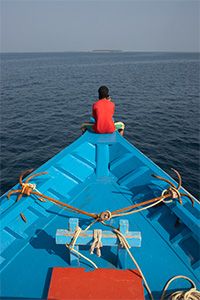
[[45, 97]]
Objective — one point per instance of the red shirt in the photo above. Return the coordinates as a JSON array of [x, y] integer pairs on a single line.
[[103, 111]]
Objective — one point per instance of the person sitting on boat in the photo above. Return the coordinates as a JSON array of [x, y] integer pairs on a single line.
[[102, 112]]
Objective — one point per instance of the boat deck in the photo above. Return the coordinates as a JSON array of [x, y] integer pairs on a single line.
[[96, 173]]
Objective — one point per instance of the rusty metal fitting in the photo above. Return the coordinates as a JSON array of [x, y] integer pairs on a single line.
[[105, 215], [27, 188], [174, 192]]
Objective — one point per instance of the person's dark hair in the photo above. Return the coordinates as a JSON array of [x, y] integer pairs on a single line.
[[103, 92]]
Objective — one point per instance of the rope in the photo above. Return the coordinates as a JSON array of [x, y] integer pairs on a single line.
[[137, 210], [65, 205], [28, 188], [73, 242], [91, 224], [140, 204], [163, 194], [143, 277], [75, 237], [28, 185], [124, 243], [172, 192], [97, 244], [191, 294], [83, 256]]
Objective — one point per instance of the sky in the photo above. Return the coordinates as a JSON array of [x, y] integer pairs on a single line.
[[84, 25]]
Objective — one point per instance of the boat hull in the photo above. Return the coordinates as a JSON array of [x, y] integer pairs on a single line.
[[96, 173]]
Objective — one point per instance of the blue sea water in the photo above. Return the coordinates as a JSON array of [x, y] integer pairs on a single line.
[[46, 96]]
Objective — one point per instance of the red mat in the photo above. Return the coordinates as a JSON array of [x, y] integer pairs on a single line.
[[76, 283]]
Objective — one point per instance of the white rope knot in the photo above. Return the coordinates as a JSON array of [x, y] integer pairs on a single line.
[[174, 194], [75, 237], [97, 244]]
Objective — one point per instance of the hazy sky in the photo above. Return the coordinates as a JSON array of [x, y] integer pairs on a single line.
[[63, 25]]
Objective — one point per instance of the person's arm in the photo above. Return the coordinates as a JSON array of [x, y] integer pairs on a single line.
[[92, 110], [93, 113], [113, 107]]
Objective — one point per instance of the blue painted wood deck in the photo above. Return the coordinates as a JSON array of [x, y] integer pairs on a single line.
[[96, 173]]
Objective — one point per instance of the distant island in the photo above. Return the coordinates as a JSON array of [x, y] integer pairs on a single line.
[[106, 51]]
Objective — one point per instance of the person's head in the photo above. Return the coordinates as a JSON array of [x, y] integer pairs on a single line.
[[103, 92]]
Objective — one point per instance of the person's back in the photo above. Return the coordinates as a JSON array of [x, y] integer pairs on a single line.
[[103, 111]]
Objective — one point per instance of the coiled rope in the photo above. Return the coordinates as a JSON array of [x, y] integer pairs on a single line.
[[191, 294]]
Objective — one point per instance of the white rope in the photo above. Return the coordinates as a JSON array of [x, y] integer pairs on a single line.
[[92, 223], [73, 242], [75, 237], [166, 201], [125, 244], [97, 244], [83, 256], [137, 210], [191, 294]]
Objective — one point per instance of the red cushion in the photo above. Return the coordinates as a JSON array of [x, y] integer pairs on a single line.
[[76, 283]]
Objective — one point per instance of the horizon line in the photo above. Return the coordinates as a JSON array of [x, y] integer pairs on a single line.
[[99, 51]]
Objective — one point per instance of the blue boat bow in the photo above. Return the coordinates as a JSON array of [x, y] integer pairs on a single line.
[[97, 173]]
